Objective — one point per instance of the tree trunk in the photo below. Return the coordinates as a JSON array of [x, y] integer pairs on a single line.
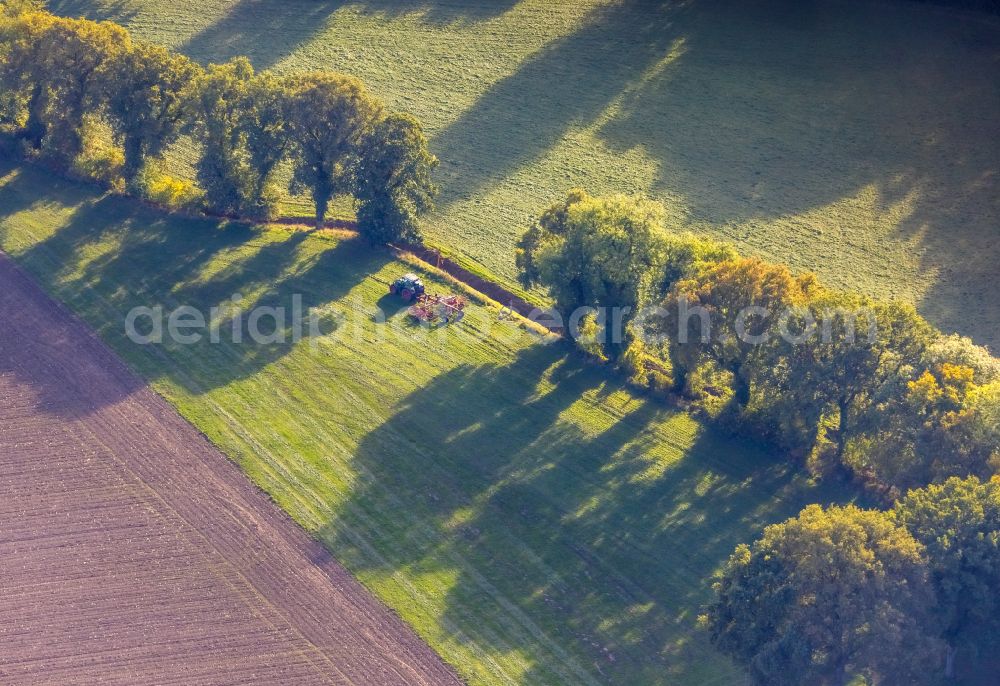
[[741, 388], [65, 142], [320, 213], [678, 370], [133, 163], [949, 661], [34, 128], [262, 176], [322, 192], [842, 426]]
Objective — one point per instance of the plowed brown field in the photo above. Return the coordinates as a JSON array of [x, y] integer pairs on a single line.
[[132, 552]]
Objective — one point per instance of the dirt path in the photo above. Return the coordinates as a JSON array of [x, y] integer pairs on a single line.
[[133, 552]]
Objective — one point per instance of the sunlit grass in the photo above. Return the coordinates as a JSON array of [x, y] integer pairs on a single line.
[[856, 139], [532, 520]]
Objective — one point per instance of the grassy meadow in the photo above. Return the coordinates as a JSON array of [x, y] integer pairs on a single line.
[[531, 519], [855, 138]]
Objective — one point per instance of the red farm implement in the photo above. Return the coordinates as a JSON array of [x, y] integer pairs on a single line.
[[433, 308]]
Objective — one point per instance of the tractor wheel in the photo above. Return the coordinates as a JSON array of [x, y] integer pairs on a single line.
[[407, 295]]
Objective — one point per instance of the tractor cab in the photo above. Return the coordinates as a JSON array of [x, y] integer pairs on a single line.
[[409, 287]]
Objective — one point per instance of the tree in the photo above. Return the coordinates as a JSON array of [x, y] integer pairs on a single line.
[[863, 352], [959, 350], [394, 184], [220, 108], [744, 301], [957, 394], [23, 73], [823, 597], [687, 254], [941, 424], [327, 116], [647, 358], [15, 8], [144, 90], [599, 253], [924, 415], [239, 119], [265, 135], [74, 52], [959, 524]]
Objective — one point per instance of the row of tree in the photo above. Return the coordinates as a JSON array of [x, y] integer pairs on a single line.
[[840, 592], [850, 382], [60, 75]]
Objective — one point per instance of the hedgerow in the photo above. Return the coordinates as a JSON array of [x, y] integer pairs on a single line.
[[60, 76], [875, 390]]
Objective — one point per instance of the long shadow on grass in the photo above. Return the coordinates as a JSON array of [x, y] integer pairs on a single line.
[[119, 11], [570, 82], [269, 30], [114, 254], [58, 396], [580, 540], [268, 274], [15, 194], [770, 109], [763, 115], [264, 30], [434, 12], [318, 273], [768, 113]]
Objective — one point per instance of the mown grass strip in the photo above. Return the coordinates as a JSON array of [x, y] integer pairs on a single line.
[[857, 140], [533, 520]]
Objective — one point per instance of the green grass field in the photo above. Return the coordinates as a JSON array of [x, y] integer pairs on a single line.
[[533, 521], [858, 139]]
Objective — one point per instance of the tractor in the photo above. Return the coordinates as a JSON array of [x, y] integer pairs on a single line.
[[409, 287]]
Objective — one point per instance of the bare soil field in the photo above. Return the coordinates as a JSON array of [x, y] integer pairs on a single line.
[[133, 552]]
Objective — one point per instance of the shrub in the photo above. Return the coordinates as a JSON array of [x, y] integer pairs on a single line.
[[100, 160], [647, 368], [169, 191]]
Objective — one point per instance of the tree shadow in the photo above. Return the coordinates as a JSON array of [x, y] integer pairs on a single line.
[[113, 254], [578, 546], [471, 11], [15, 192], [266, 31], [276, 275], [788, 106], [67, 372], [569, 82], [753, 111], [118, 11]]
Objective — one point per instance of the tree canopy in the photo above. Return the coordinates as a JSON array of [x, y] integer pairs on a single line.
[[958, 522], [144, 90], [744, 300], [327, 117], [393, 176], [597, 253], [823, 597]]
